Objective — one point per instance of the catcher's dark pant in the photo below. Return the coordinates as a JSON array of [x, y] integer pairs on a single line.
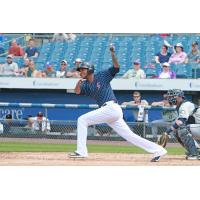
[[187, 140]]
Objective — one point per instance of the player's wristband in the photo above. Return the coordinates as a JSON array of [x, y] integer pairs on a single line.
[[175, 126]]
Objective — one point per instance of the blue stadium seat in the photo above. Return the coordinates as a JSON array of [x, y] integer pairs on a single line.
[[95, 48], [181, 71], [2, 60]]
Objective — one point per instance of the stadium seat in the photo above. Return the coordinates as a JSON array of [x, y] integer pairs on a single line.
[[94, 48], [2, 60]]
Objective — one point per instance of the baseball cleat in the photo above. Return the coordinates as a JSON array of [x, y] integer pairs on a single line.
[[75, 155], [192, 157], [155, 159]]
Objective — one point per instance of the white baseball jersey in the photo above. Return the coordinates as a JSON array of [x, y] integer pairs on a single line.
[[186, 109], [42, 126]]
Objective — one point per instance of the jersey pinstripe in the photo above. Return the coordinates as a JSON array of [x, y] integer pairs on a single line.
[[100, 89]]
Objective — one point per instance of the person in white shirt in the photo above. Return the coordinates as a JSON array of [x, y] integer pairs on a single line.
[[166, 73], [64, 73], [77, 63], [10, 68], [140, 115], [41, 123], [136, 72]]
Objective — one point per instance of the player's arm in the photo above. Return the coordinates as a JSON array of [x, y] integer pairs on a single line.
[[114, 59], [176, 125], [159, 103], [130, 103], [78, 87], [156, 58], [144, 103]]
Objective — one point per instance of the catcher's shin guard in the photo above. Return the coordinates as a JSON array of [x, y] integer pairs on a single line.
[[187, 140]]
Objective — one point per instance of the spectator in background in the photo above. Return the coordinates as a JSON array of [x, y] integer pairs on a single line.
[[73, 71], [163, 55], [179, 57], [194, 55], [10, 68], [15, 49], [136, 72], [164, 35], [140, 115], [25, 66], [29, 125], [63, 37], [166, 73], [26, 62], [62, 73], [31, 50], [31, 71], [77, 63], [7, 123], [41, 123], [49, 72], [168, 117], [194, 60], [71, 36]]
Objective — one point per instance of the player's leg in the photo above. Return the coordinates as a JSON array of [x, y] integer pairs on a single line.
[[124, 131], [188, 141], [104, 114]]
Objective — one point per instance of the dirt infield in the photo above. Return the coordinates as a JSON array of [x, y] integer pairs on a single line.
[[95, 159]]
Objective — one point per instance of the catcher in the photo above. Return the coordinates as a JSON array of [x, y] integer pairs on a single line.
[[186, 126]]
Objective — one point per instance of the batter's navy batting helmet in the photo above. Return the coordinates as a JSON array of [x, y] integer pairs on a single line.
[[88, 66], [173, 94]]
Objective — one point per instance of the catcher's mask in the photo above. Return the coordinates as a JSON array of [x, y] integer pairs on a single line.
[[88, 66], [173, 94]]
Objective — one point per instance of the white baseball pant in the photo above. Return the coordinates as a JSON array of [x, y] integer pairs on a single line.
[[112, 115]]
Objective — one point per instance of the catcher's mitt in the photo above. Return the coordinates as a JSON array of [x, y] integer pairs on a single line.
[[162, 140]]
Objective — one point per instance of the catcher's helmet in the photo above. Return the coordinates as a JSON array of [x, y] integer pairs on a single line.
[[173, 94], [88, 66]]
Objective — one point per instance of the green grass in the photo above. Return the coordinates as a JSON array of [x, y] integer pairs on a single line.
[[93, 148]]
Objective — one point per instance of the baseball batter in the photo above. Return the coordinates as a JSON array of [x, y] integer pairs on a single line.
[[98, 87]]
